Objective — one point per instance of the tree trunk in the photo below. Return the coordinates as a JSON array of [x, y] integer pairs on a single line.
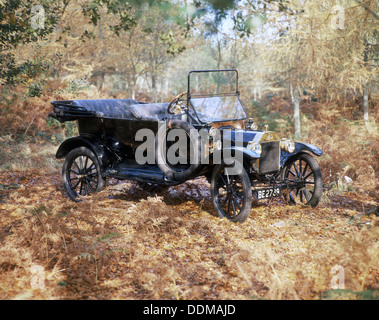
[[295, 96], [154, 87], [101, 80], [365, 89], [259, 90], [134, 92], [102, 72], [365, 104]]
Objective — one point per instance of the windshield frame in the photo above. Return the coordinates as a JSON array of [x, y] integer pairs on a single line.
[[236, 94], [210, 94]]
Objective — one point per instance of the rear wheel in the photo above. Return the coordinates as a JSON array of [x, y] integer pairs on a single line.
[[81, 173], [231, 194], [305, 181]]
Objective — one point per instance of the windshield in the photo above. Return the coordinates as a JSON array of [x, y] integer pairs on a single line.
[[212, 82], [211, 109]]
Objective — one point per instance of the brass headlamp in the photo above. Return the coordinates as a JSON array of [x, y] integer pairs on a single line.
[[287, 145], [254, 146]]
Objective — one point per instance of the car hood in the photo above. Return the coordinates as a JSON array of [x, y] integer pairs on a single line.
[[245, 136]]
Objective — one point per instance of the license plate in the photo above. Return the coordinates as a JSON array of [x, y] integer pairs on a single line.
[[268, 193]]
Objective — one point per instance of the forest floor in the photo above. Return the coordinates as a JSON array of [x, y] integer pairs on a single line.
[[130, 243]]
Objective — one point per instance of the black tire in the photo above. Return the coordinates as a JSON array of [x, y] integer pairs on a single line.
[[231, 194], [177, 172], [305, 180], [81, 173]]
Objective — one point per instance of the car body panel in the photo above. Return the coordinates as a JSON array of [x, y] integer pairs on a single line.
[[93, 143], [300, 147]]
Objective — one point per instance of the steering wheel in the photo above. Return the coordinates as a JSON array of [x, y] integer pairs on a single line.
[[174, 102]]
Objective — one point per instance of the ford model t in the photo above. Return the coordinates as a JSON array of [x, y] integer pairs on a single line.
[[202, 132]]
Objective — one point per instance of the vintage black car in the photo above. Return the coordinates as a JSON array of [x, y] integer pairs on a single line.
[[202, 132]]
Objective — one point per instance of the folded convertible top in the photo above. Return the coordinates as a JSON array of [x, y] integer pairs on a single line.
[[68, 110]]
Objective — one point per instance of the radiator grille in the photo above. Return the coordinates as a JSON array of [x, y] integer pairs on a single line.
[[270, 157]]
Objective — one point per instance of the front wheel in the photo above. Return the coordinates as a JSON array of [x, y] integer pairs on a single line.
[[231, 194], [81, 173], [304, 179]]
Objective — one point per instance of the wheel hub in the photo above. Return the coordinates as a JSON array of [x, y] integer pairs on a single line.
[[299, 181], [229, 189], [83, 176]]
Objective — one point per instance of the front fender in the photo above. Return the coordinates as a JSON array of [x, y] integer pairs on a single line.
[[299, 148], [240, 153], [82, 141]]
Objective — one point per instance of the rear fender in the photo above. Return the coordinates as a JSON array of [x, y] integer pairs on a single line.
[[102, 154]]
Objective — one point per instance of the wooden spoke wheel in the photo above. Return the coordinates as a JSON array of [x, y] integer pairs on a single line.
[[231, 194], [305, 181], [81, 173]]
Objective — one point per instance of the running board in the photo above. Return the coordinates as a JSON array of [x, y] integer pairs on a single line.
[[145, 173]]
